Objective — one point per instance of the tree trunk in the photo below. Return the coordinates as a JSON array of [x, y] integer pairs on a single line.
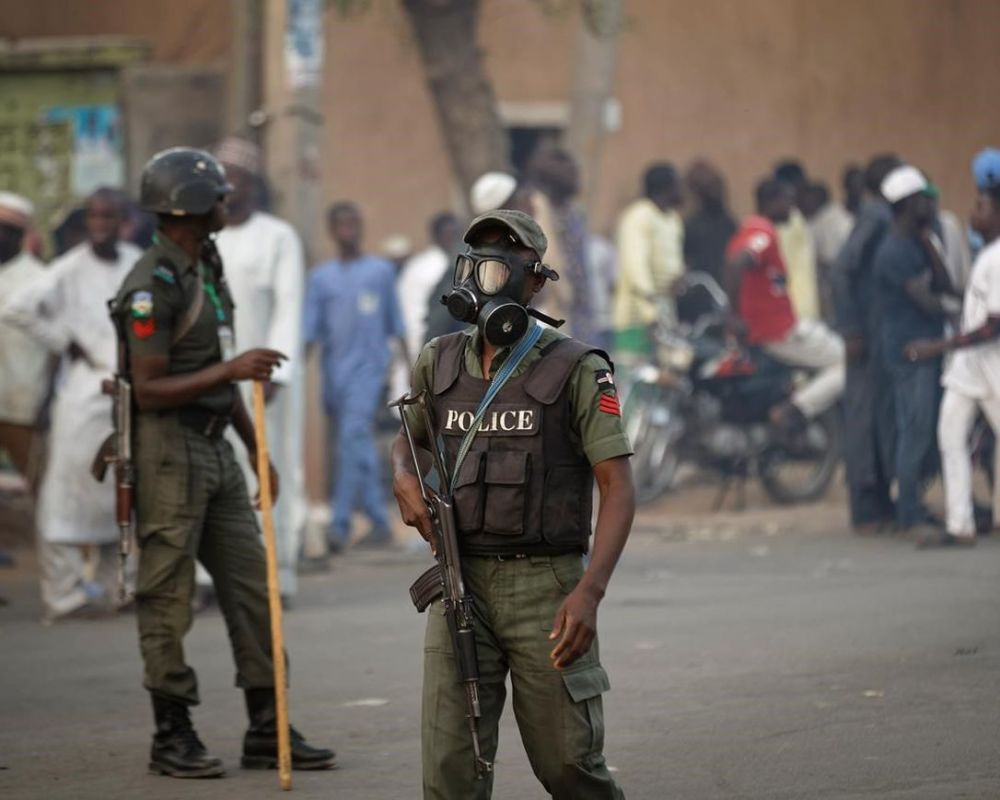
[[593, 84], [474, 135]]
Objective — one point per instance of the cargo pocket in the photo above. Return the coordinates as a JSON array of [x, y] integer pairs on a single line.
[[584, 723], [469, 494], [506, 490], [566, 506], [163, 491]]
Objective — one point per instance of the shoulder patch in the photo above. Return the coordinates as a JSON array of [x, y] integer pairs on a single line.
[[143, 328], [165, 274], [609, 404], [605, 380], [141, 306]]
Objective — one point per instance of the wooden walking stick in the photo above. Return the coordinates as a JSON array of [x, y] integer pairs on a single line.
[[273, 592]]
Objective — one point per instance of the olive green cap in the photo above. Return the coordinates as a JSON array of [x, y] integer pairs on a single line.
[[525, 229]]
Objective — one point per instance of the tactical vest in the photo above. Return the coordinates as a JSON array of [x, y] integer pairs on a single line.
[[526, 485]]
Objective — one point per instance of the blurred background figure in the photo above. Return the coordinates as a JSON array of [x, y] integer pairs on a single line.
[[265, 270], [830, 224], [830, 221], [353, 314], [756, 281], [65, 310], [491, 191], [139, 226], [950, 238], [797, 246], [70, 231], [972, 377], [418, 280], [709, 226], [397, 249], [869, 407], [603, 257], [650, 260], [556, 174], [24, 361], [912, 287]]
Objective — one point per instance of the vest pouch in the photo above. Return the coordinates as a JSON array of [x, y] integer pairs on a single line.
[[469, 494], [506, 491], [567, 505]]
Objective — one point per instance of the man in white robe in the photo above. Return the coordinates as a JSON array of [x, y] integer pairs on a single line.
[[417, 281], [265, 270], [24, 362], [66, 311]]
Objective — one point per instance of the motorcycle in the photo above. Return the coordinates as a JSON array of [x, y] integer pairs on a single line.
[[705, 400]]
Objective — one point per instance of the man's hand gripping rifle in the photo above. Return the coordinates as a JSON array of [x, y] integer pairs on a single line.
[[445, 578], [117, 452]]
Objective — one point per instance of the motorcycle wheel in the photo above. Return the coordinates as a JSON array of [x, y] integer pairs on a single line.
[[802, 476], [653, 423]]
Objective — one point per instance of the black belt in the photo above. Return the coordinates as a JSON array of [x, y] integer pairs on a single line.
[[201, 420], [515, 555]]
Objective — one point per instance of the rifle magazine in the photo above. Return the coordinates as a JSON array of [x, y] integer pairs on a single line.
[[426, 589]]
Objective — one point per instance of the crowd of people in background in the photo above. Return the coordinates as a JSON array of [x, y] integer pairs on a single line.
[[874, 291]]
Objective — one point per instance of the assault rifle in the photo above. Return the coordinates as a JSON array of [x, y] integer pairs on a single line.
[[117, 452], [444, 579]]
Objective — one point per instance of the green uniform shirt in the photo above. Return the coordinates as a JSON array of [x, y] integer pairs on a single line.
[[601, 432], [155, 299]]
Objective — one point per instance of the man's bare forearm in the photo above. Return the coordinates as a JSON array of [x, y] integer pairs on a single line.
[[402, 459], [614, 522]]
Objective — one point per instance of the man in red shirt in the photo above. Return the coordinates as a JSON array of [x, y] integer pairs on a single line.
[[756, 282]]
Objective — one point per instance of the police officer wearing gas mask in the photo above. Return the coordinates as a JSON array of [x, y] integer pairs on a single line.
[[523, 508]]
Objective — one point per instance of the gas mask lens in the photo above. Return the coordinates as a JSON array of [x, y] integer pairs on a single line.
[[491, 273], [492, 276], [463, 269]]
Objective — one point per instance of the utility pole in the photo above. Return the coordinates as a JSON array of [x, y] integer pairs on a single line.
[[600, 27], [290, 125], [245, 72], [290, 118]]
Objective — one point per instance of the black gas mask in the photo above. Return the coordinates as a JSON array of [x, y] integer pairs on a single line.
[[487, 288]]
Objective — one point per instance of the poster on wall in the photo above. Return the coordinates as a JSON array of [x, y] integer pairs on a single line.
[[304, 42], [97, 158]]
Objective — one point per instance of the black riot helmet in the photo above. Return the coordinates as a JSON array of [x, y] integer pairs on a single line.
[[182, 181]]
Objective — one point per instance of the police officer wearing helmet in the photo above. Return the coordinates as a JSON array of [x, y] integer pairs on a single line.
[[176, 317], [522, 499]]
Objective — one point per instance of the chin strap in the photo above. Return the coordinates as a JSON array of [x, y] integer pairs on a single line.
[[555, 323]]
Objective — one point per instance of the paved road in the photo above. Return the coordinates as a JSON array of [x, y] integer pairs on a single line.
[[766, 656]]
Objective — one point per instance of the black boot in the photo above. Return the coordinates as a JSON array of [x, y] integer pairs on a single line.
[[177, 751], [260, 744]]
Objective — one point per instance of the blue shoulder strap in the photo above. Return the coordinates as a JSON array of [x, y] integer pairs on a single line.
[[523, 347]]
